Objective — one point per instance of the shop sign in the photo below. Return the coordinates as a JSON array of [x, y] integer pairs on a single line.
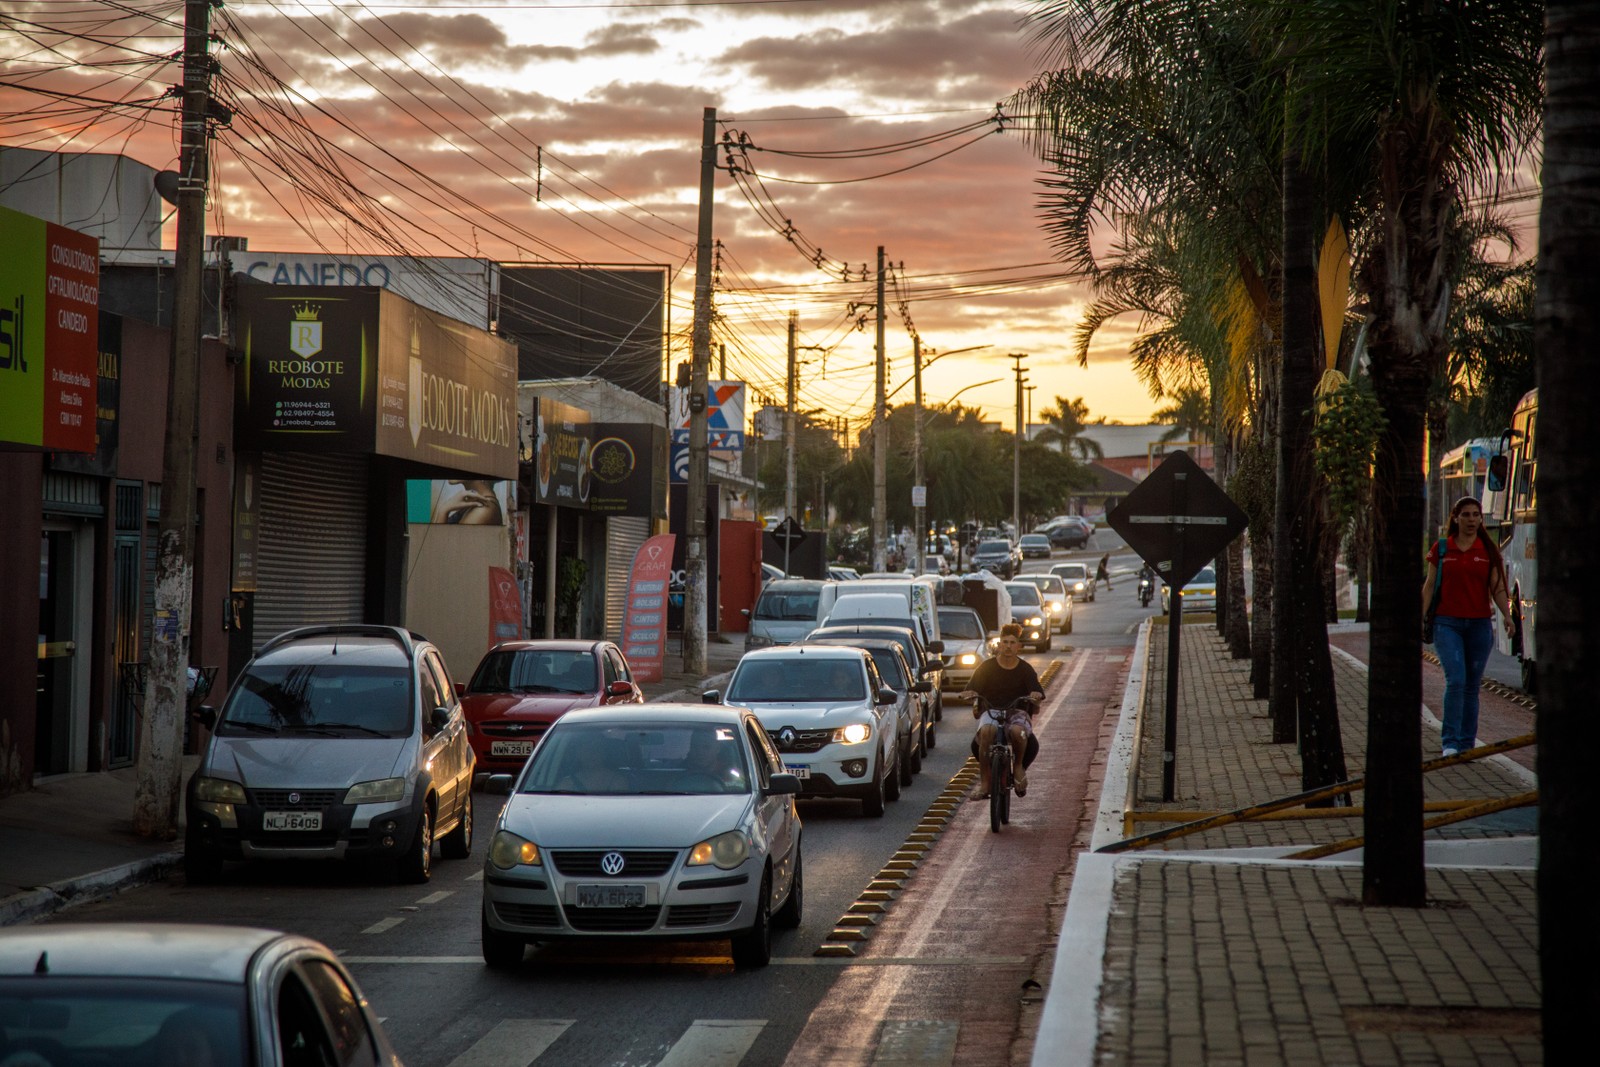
[[724, 418], [49, 334], [563, 437], [644, 620], [505, 606], [103, 463], [460, 501], [246, 520], [628, 470]]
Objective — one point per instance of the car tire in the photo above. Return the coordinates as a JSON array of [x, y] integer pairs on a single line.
[[1067, 629], [896, 775], [753, 947], [416, 866], [930, 738], [1044, 646], [199, 868], [457, 844], [501, 951], [873, 805], [788, 917], [909, 761]]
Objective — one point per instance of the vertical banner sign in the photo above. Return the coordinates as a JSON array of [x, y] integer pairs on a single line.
[[505, 606], [644, 622], [246, 520]]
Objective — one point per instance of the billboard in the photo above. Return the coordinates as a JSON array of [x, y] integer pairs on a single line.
[[460, 288], [561, 453], [577, 321], [724, 418], [49, 334]]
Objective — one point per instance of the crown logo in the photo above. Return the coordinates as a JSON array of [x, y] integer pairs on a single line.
[[306, 312]]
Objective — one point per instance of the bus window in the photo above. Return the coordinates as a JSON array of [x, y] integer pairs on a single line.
[[1523, 485]]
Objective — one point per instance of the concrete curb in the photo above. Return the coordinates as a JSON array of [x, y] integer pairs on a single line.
[[38, 903], [691, 693]]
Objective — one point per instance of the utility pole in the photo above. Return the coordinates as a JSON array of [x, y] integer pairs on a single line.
[[159, 768], [694, 553], [880, 444], [1016, 451], [789, 432], [918, 490]]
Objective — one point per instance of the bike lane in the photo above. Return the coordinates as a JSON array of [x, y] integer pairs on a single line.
[[957, 969]]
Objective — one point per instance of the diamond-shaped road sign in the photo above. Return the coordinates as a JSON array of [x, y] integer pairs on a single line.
[[1177, 519], [788, 533]]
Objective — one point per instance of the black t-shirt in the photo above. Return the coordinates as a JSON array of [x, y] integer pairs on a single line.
[[999, 686]]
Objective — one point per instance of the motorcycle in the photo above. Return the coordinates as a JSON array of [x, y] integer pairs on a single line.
[[1147, 590]]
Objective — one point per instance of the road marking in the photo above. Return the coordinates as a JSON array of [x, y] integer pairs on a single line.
[[917, 1043], [434, 898], [475, 876], [513, 1041], [384, 924], [714, 1043]]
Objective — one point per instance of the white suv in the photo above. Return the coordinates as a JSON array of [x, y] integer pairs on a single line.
[[829, 715]]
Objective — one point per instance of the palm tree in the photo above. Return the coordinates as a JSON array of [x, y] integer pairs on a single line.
[[1065, 425], [1567, 336], [1189, 412]]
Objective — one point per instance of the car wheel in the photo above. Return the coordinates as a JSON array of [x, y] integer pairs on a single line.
[[896, 775], [500, 951], [930, 737], [1067, 629], [753, 948], [416, 866], [199, 868], [872, 805], [909, 761], [457, 844], [1044, 646], [788, 916]]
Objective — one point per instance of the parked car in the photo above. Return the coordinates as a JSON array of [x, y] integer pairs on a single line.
[[926, 661], [1199, 593], [770, 573], [1035, 546], [1070, 535], [830, 717], [1078, 579], [914, 712], [1027, 611], [787, 610], [336, 742], [674, 824], [966, 644], [177, 994], [998, 555], [1057, 600], [521, 687]]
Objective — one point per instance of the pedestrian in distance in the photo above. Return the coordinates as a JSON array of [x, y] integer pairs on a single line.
[[1103, 572], [1471, 582]]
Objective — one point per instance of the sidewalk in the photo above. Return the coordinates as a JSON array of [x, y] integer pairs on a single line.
[[1214, 949], [71, 837]]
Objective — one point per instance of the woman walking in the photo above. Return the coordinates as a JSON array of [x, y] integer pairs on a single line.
[[1472, 582]]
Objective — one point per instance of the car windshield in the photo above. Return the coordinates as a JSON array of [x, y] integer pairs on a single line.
[[1074, 572], [787, 604], [639, 759], [800, 679], [545, 670], [1023, 594], [333, 696], [1047, 584], [961, 625], [123, 1020]]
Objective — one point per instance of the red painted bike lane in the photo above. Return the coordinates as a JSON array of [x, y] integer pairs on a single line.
[[946, 975]]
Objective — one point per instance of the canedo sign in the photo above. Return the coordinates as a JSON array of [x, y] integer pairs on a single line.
[[359, 369], [49, 334]]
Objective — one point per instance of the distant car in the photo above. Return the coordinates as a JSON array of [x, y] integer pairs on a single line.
[[1028, 611], [521, 687], [1199, 593], [771, 573], [916, 715], [1071, 532], [1057, 600], [336, 742], [965, 646], [1077, 577], [998, 555], [673, 823], [1035, 546], [844, 574], [179, 994], [935, 564]]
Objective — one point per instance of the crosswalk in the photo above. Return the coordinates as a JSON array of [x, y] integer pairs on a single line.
[[704, 1043]]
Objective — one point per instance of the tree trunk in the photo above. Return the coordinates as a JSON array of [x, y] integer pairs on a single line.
[[1567, 338], [1438, 506], [1238, 633], [1261, 615]]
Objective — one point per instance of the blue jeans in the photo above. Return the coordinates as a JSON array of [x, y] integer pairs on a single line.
[[1462, 646]]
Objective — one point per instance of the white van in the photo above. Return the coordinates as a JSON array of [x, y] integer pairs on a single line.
[[787, 610], [914, 598]]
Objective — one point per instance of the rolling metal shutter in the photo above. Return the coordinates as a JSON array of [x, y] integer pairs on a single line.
[[311, 555], [625, 535]]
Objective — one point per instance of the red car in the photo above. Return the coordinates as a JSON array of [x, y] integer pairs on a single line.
[[521, 687]]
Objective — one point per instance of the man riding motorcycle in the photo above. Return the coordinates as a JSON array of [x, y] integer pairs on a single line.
[[1147, 584], [1000, 681]]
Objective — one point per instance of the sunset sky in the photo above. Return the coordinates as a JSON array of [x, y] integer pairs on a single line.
[[569, 132]]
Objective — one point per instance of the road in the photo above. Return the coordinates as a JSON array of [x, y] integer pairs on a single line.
[[941, 974]]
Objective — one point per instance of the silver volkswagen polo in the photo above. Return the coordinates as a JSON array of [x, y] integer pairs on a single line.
[[668, 821]]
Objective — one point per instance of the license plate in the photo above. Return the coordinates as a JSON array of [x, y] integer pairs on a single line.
[[511, 748], [797, 770], [611, 896], [292, 820]]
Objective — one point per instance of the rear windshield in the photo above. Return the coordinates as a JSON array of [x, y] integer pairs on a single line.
[[961, 625], [889, 667], [991, 547], [797, 679], [1207, 576], [536, 671], [323, 697], [1023, 594], [798, 604]]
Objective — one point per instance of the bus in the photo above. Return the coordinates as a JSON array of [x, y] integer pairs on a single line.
[[1512, 499], [1464, 471]]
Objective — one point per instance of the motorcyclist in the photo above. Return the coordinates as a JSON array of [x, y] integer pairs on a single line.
[[1000, 681], [1147, 583]]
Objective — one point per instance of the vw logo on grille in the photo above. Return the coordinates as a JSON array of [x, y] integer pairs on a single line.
[[787, 738], [294, 798], [612, 863]]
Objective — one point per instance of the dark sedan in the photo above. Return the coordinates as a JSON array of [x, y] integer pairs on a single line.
[[998, 556]]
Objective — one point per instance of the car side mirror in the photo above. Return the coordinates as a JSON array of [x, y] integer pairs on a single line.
[[745, 612], [461, 689], [1499, 467], [438, 719], [711, 696], [780, 784], [923, 687], [619, 688], [887, 696], [935, 646], [499, 785], [206, 716]]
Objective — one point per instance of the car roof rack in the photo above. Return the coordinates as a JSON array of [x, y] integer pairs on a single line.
[[406, 639]]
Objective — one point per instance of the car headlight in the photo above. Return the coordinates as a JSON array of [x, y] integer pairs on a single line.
[[968, 659], [218, 791], [1035, 620], [726, 851], [507, 850], [381, 791], [1055, 607], [757, 641], [853, 734], [1077, 587]]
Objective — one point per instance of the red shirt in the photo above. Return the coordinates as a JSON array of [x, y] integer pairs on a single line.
[[1465, 594]]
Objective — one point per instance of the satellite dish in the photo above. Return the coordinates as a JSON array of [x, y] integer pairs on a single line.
[[167, 186]]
